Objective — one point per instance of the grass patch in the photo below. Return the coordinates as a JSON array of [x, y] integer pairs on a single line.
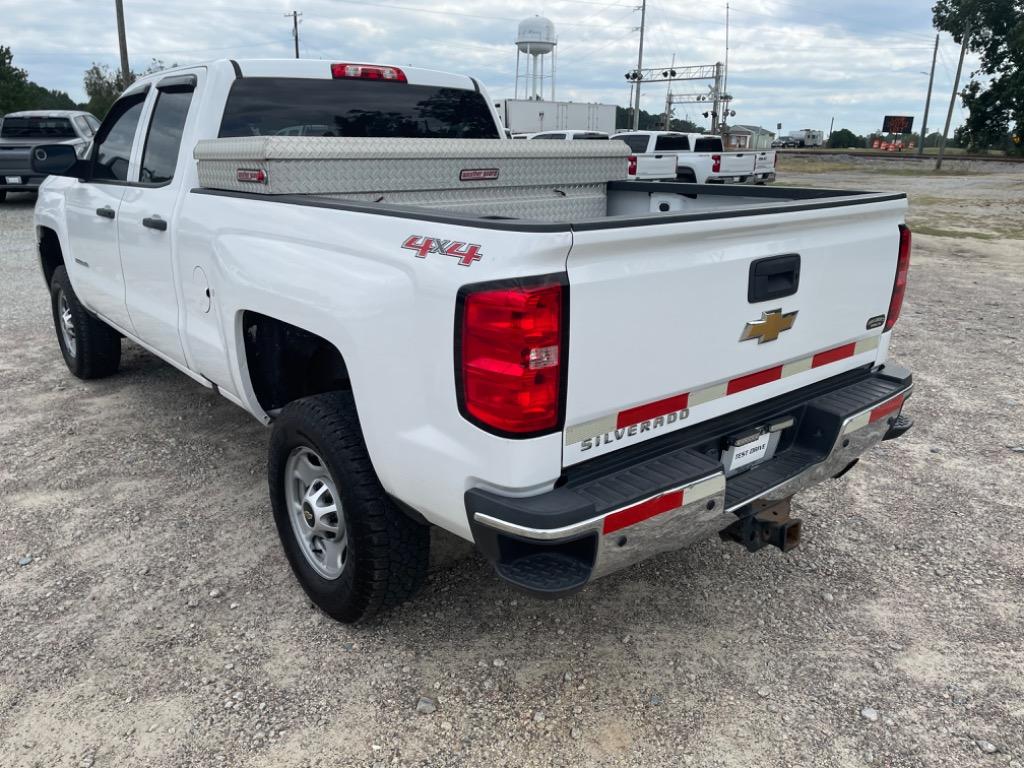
[[931, 200], [881, 168], [815, 166], [924, 229]]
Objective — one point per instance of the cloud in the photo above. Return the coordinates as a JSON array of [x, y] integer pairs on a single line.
[[791, 61]]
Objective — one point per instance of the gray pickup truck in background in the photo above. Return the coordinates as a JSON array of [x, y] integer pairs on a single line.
[[21, 131]]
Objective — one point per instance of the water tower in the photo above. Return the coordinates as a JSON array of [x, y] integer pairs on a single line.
[[536, 38]]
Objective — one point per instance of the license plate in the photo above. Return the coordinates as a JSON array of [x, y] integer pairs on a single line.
[[14, 179], [738, 456]]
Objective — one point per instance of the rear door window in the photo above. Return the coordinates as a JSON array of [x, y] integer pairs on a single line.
[[288, 106], [84, 128], [29, 127], [636, 142], [710, 144], [160, 155], [672, 144], [589, 137], [115, 138]]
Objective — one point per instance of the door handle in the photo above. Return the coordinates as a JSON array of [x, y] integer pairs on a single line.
[[774, 277], [106, 212], [155, 222]]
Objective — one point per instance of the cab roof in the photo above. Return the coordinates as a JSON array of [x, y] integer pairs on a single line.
[[48, 113], [317, 68]]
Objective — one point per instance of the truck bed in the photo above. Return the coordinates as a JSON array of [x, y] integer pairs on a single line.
[[628, 204]]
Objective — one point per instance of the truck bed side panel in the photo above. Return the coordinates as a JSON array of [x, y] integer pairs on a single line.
[[346, 277]]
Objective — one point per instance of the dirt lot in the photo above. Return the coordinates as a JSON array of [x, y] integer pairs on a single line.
[[148, 617]]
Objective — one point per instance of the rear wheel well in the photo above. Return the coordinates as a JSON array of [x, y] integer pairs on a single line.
[[50, 254], [286, 362]]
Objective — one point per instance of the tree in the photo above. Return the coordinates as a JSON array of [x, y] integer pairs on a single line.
[[12, 82], [103, 85], [997, 36], [17, 92], [844, 138], [649, 122], [685, 126]]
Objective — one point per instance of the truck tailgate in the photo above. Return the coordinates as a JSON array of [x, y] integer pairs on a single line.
[[740, 164], [15, 159], [764, 162], [657, 314]]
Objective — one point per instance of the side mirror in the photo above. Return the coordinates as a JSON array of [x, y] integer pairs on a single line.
[[57, 160]]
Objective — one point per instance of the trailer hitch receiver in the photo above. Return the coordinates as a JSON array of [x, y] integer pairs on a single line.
[[766, 523]]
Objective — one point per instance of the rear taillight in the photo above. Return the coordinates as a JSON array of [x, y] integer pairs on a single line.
[[511, 357], [716, 163], [368, 72], [899, 286], [632, 165]]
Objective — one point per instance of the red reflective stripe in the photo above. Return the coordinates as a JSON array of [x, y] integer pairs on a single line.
[[642, 511], [752, 380], [831, 355], [650, 410], [885, 409]]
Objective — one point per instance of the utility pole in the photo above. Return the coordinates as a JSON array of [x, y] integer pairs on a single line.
[[928, 101], [952, 99], [295, 29], [668, 96], [725, 85], [830, 127], [639, 67], [126, 73]]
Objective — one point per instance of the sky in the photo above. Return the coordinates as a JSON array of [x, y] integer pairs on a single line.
[[796, 62]]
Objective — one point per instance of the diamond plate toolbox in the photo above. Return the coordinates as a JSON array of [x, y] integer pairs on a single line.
[[570, 176]]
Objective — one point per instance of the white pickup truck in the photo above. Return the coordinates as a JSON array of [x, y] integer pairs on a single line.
[[445, 327], [648, 166], [702, 159]]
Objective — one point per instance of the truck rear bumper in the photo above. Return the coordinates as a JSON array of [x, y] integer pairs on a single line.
[[662, 495], [26, 182]]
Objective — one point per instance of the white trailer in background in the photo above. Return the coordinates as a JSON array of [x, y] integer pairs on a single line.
[[529, 116], [807, 137]]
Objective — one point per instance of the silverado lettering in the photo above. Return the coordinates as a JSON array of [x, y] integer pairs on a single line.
[[634, 429]]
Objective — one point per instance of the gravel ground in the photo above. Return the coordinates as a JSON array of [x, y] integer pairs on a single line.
[[148, 617]]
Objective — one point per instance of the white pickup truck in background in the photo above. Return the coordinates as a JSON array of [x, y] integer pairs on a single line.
[[445, 327], [702, 158]]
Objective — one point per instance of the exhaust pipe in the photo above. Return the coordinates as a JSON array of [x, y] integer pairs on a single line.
[[768, 524]]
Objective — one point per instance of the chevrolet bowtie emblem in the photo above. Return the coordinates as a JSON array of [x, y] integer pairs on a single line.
[[768, 328]]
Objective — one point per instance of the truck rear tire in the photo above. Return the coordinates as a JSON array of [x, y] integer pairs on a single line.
[[91, 349], [3, 195], [353, 551], [686, 176]]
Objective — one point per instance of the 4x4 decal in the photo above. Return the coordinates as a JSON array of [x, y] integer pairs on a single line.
[[466, 253]]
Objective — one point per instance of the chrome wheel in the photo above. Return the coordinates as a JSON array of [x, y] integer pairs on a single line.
[[316, 513], [67, 324]]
